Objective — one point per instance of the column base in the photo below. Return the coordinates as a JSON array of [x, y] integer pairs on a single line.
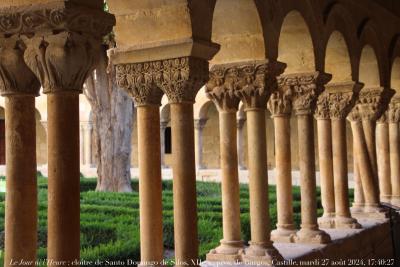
[[357, 207], [227, 251], [342, 222], [315, 236], [327, 221], [395, 201], [372, 211], [261, 253], [284, 234], [386, 198]]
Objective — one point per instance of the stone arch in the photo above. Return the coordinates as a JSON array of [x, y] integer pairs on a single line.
[[203, 110], [338, 19], [238, 29], [210, 149], [337, 59], [165, 113], [299, 56], [369, 67], [369, 36], [395, 75]]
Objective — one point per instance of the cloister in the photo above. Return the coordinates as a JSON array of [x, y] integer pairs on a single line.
[[289, 84]]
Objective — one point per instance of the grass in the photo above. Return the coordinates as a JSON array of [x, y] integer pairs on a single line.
[[110, 221]]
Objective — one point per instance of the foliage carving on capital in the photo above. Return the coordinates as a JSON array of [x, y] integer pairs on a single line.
[[257, 80], [342, 98], [15, 76], [62, 62], [322, 111], [180, 78], [224, 81], [138, 81], [55, 17], [393, 112], [373, 102], [305, 89]]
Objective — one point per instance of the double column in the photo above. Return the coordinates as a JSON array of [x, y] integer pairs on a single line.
[[371, 104], [394, 149], [19, 86], [180, 79], [305, 89], [147, 97], [383, 158], [221, 90], [280, 106], [341, 99], [257, 80]]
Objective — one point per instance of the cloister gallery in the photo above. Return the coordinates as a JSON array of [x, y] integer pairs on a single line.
[[305, 85]]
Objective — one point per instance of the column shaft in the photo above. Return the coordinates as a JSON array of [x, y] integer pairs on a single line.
[[395, 162], [359, 200], [150, 187], [88, 143], [342, 206], [199, 126], [63, 184], [365, 167], [21, 197], [258, 178], [240, 143], [309, 231], [369, 127], [285, 226], [383, 156], [326, 172], [184, 173]]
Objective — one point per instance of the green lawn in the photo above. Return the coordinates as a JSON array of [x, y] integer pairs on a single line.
[[110, 221]]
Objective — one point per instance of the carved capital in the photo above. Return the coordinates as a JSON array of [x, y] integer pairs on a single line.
[[181, 78], [383, 118], [138, 81], [372, 102], [305, 89], [393, 113], [342, 98], [15, 76], [240, 123], [257, 80], [47, 18], [63, 61], [280, 102], [224, 81], [322, 111]]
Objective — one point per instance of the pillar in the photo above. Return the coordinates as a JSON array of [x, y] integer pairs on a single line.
[[394, 149], [62, 60], [227, 104], [82, 144], [371, 104], [19, 86], [181, 91], [147, 103], [306, 88], [342, 98], [254, 92], [163, 126], [383, 157], [359, 201], [324, 131], [241, 143], [281, 108], [199, 125]]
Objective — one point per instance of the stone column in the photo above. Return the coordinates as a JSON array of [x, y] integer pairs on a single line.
[[19, 86], [163, 126], [371, 104], [341, 98], [394, 148], [280, 107], [383, 157], [181, 79], [359, 201], [87, 143], [199, 126], [240, 142], [222, 94], [306, 88], [257, 80], [324, 131], [147, 98], [62, 59]]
